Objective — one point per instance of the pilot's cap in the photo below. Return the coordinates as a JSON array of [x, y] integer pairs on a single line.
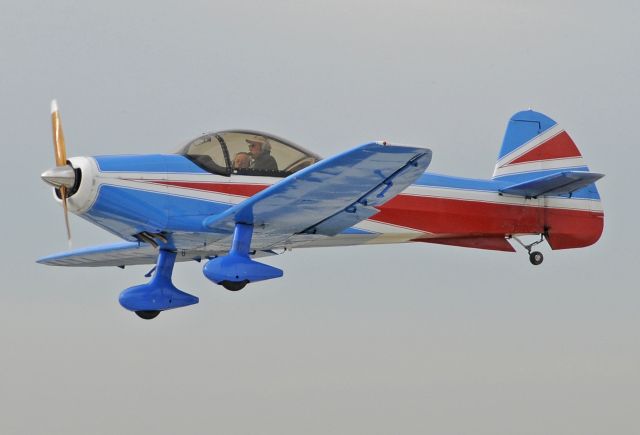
[[256, 139]]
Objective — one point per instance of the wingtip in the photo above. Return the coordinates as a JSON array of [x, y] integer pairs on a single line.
[[43, 260], [54, 106]]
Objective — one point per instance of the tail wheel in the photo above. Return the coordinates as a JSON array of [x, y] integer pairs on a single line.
[[536, 258]]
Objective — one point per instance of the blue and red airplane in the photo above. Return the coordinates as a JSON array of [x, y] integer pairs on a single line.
[[229, 197]]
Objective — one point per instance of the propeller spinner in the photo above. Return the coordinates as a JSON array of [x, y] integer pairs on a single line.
[[62, 176]]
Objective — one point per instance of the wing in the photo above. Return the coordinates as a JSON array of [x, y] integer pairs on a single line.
[[327, 197], [323, 199], [115, 254], [127, 254]]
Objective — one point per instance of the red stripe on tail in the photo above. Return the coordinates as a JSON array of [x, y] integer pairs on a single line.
[[558, 147]]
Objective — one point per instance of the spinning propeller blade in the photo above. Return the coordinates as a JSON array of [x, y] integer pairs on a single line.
[[62, 176], [59, 146]]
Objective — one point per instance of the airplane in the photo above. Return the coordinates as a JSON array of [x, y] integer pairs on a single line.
[[230, 197]]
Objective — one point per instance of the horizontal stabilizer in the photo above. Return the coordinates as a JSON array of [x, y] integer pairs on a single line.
[[560, 183]]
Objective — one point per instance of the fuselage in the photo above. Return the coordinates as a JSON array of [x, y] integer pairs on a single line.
[[170, 194]]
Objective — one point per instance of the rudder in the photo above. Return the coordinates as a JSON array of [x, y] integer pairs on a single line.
[[536, 145]]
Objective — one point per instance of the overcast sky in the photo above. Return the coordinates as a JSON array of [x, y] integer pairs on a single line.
[[407, 339]]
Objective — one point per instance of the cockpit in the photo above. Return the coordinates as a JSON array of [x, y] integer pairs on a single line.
[[245, 152]]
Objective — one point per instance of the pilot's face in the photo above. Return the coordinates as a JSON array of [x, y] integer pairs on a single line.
[[255, 149], [241, 161]]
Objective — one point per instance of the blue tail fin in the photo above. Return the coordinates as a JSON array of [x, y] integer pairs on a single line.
[[535, 145]]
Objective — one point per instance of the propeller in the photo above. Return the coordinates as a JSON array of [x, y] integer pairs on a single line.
[[62, 176]]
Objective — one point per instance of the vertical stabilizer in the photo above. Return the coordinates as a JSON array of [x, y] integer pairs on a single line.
[[535, 145]]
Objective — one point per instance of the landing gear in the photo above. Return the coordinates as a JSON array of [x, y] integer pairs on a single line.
[[536, 258], [234, 286], [236, 269], [159, 294], [148, 314]]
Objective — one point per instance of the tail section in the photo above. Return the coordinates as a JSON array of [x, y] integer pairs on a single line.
[[535, 145], [539, 160]]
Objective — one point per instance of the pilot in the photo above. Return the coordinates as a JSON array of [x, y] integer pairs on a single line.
[[260, 150], [241, 160]]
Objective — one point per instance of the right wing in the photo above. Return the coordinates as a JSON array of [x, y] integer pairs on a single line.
[[327, 197], [323, 199]]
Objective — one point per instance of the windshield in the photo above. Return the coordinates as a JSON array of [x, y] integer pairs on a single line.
[[244, 152], [208, 153]]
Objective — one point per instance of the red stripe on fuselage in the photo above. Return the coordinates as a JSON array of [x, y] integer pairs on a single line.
[[454, 216], [464, 218], [558, 147], [225, 188]]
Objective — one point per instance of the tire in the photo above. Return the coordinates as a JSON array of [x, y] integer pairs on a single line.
[[234, 286], [148, 314], [536, 258]]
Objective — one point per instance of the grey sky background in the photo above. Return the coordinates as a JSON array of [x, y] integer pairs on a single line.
[[387, 339]]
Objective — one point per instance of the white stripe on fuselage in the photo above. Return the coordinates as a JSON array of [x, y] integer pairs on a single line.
[[495, 198], [143, 181]]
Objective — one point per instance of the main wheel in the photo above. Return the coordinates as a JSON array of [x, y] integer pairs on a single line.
[[148, 314], [536, 258], [234, 286]]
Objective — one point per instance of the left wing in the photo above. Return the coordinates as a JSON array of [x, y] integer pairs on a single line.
[[127, 254], [114, 254]]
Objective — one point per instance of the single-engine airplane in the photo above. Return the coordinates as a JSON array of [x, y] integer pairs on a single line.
[[229, 197]]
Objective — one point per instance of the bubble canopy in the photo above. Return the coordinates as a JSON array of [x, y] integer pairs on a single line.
[[247, 152]]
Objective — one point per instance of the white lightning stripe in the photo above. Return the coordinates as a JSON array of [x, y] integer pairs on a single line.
[[379, 227], [420, 191], [540, 165], [578, 204], [188, 192], [175, 191], [495, 198], [152, 182], [531, 144], [483, 196]]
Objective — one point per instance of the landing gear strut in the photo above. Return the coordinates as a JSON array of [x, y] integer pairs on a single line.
[[535, 257], [159, 294], [236, 269]]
